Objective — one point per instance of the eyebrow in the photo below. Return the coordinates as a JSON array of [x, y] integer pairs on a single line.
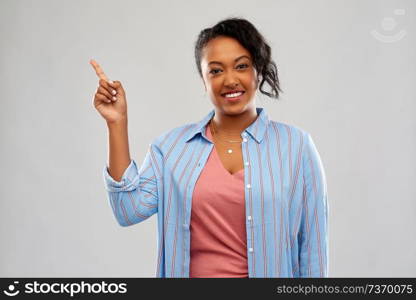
[[235, 60]]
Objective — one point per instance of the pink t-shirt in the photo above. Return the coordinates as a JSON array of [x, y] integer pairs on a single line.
[[218, 231]]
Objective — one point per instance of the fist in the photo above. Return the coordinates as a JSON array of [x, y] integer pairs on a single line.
[[110, 98]]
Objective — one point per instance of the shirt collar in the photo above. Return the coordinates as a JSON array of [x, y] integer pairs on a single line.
[[256, 129]]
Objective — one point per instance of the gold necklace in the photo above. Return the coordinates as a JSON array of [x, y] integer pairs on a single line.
[[214, 133]]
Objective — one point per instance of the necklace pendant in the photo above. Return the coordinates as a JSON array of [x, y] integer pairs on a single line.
[[230, 151]]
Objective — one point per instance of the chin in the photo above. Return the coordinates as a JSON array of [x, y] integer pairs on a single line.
[[235, 109]]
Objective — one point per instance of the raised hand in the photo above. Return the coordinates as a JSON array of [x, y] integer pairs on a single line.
[[110, 97]]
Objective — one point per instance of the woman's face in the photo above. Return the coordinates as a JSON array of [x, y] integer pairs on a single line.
[[227, 68]]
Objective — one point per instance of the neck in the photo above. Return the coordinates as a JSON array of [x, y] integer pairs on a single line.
[[233, 125]]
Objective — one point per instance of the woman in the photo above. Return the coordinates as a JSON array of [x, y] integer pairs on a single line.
[[237, 194]]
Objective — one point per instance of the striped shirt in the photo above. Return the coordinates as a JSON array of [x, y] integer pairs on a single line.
[[285, 197]]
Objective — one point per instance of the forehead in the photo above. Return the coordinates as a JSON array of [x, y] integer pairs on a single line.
[[223, 49]]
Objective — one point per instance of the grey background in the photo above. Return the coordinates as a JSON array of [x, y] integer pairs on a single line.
[[354, 93]]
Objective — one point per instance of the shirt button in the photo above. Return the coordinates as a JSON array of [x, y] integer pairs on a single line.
[[248, 185], [249, 217], [244, 140], [246, 163], [250, 249]]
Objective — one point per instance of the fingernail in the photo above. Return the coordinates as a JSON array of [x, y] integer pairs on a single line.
[[114, 98], [113, 92], [111, 81]]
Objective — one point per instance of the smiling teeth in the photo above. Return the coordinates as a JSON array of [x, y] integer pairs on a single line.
[[233, 95]]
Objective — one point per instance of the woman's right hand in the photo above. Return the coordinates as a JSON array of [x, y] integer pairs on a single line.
[[111, 109]]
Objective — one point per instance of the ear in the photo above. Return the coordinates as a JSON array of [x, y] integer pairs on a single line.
[[257, 82], [257, 78]]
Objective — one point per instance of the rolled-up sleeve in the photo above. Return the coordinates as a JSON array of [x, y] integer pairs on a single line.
[[313, 241], [134, 198]]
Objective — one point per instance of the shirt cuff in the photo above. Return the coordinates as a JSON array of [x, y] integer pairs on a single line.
[[128, 180]]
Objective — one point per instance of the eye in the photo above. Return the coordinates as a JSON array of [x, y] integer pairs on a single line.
[[213, 71], [244, 66]]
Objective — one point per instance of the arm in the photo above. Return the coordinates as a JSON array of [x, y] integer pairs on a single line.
[[134, 198], [133, 195], [119, 154], [313, 242]]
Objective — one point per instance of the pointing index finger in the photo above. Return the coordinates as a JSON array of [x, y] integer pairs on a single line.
[[98, 70]]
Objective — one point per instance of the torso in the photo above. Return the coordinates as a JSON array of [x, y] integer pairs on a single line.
[[232, 162]]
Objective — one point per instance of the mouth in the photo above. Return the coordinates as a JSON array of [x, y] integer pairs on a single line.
[[233, 95]]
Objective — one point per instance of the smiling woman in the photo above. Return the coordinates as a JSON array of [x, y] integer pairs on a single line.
[[229, 75], [237, 194], [250, 42]]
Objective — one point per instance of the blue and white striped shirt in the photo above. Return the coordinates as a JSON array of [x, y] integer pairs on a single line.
[[285, 197]]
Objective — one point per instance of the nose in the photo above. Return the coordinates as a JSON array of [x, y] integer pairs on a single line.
[[230, 80]]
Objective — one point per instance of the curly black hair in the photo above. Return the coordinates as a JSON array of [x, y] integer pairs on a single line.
[[249, 37]]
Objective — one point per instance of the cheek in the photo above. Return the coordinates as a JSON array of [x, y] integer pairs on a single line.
[[250, 82], [214, 86]]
